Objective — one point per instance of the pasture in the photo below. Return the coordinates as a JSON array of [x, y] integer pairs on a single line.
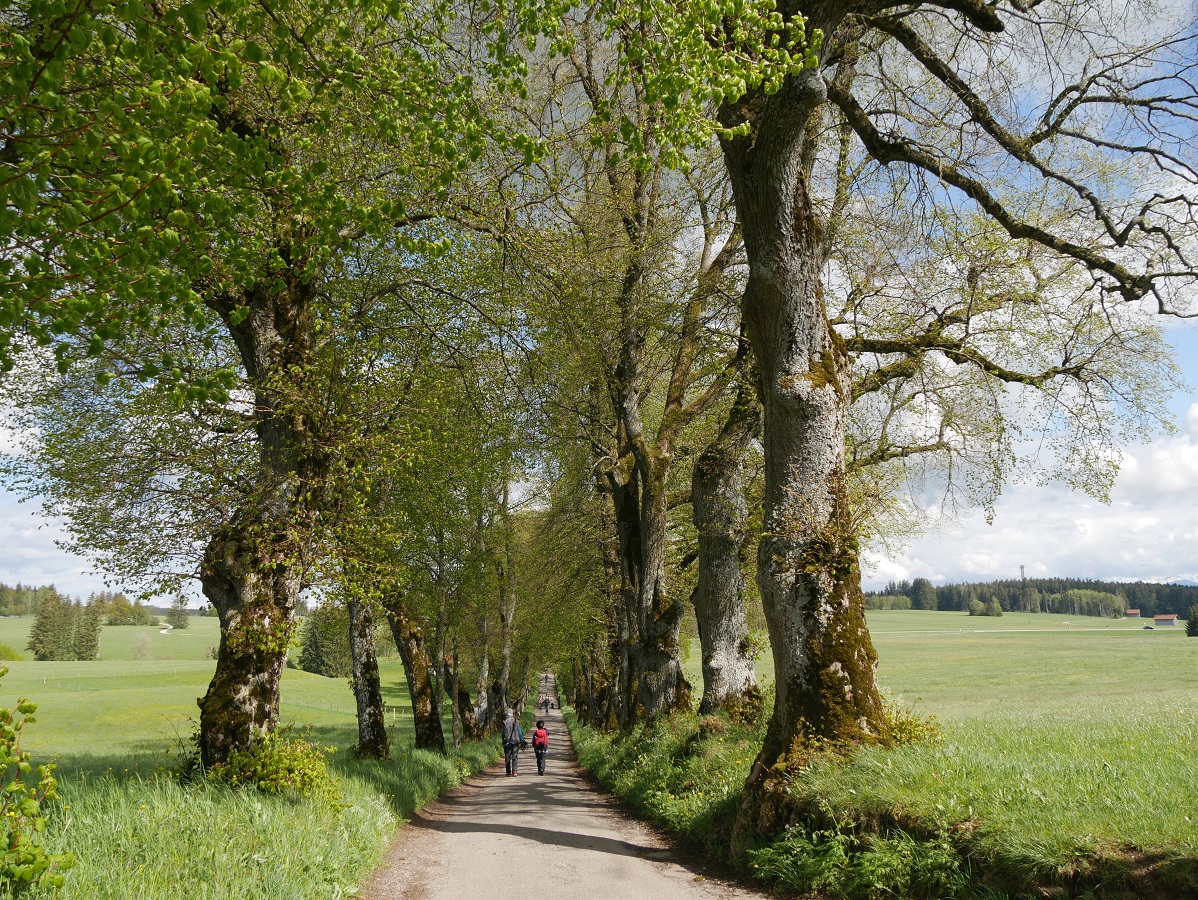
[[1064, 737], [114, 727], [1069, 743]]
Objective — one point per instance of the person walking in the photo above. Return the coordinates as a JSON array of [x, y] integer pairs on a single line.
[[540, 745], [513, 737]]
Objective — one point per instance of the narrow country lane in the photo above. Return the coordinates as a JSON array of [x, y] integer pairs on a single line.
[[555, 836]]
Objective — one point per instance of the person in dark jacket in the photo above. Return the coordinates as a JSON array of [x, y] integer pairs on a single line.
[[513, 737]]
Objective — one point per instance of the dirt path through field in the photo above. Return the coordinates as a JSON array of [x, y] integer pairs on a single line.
[[555, 837]]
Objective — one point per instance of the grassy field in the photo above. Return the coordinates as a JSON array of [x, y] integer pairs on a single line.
[[129, 642], [111, 725], [1068, 752]]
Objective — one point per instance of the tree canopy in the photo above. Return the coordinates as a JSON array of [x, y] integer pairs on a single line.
[[523, 326]]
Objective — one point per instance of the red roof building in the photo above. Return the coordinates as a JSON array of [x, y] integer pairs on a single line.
[[1170, 619], [1132, 614]]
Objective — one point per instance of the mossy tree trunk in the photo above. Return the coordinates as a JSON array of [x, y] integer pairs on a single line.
[[807, 562], [720, 513], [252, 568], [368, 693], [422, 685], [651, 679]]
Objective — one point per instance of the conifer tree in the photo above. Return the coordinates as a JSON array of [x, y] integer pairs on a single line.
[[87, 632], [178, 616], [53, 633]]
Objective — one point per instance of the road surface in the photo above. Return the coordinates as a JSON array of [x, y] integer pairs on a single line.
[[497, 838]]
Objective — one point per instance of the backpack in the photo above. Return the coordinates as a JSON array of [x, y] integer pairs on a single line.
[[511, 732], [540, 739]]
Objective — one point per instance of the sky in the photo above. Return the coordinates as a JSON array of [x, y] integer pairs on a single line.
[[1148, 532]]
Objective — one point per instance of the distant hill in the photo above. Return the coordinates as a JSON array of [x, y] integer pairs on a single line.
[[1070, 596]]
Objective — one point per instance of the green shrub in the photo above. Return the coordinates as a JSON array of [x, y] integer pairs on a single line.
[[25, 862], [8, 654], [906, 727], [977, 608], [1192, 622], [837, 863], [280, 763]]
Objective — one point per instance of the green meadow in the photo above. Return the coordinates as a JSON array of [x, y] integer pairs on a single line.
[[1065, 738], [1067, 759], [115, 727], [1068, 748]]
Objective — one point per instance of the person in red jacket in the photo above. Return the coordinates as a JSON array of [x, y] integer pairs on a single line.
[[540, 745]]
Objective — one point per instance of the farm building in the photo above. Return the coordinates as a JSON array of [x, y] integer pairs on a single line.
[[1170, 619], [1132, 614]]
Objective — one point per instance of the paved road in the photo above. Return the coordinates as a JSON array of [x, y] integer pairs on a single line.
[[497, 838]]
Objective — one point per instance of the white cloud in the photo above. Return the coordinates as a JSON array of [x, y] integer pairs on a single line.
[[1149, 531], [30, 555]]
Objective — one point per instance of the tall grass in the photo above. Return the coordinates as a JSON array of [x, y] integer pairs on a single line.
[[1065, 766], [138, 833], [148, 836]]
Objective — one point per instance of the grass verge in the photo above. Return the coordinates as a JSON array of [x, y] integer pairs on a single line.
[[974, 815], [147, 836]]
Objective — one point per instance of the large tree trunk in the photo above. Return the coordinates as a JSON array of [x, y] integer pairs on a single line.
[[471, 729], [252, 569], [422, 686], [651, 681], [368, 692], [256, 603], [720, 513], [807, 562]]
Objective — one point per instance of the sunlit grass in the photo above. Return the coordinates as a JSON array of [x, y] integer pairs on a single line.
[[1068, 743], [112, 725]]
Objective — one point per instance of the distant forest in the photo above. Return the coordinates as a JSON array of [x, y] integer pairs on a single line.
[[1060, 596]]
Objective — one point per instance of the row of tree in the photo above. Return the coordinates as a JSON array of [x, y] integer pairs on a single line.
[[66, 630], [525, 327], [22, 599], [1075, 596]]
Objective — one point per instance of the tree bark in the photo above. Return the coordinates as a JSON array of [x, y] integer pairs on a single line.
[[256, 607], [651, 681], [719, 510], [471, 729], [252, 568], [368, 692], [808, 561], [484, 672], [422, 687]]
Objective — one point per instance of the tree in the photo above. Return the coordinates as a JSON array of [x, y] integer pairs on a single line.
[[52, 636], [87, 633], [324, 642], [1192, 622], [178, 616], [644, 334], [923, 594], [720, 516], [853, 74], [372, 724], [258, 136]]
